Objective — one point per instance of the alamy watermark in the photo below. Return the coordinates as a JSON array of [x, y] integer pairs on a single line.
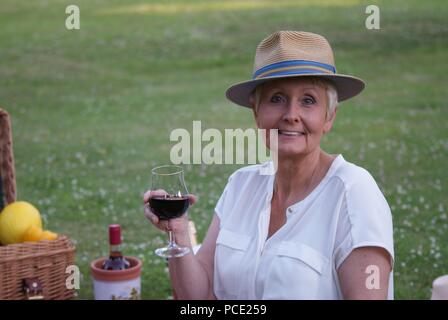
[[235, 146], [373, 20], [73, 21], [72, 282], [373, 278]]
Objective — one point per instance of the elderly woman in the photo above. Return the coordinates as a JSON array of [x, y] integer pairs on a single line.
[[319, 228]]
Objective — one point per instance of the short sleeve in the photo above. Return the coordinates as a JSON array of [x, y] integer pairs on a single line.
[[225, 199], [365, 220]]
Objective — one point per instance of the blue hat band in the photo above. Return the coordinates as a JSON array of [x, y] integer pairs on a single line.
[[292, 67]]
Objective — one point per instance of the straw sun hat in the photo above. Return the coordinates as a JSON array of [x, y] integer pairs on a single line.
[[287, 54]]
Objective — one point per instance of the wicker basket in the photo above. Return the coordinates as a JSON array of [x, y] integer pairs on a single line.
[[44, 261], [35, 269], [7, 174]]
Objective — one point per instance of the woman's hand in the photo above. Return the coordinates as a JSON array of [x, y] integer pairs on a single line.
[[179, 226]]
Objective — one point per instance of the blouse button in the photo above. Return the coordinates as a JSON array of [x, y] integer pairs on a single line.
[[289, 210]]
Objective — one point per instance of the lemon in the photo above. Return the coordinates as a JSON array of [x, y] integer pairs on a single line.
[[15, 220], [48, 235], [33, 234]]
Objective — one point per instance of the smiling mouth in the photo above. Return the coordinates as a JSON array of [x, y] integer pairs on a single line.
[[291, 133]]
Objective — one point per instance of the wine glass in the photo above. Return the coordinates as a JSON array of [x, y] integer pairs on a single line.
[[172, 204]]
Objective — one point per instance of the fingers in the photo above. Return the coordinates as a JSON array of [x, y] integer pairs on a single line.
[[146, 196], [150, 215], [164, 225], [159, 224], [192, 198], [178, 224], [151, 193]]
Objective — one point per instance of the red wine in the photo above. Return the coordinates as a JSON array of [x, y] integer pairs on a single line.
[[116, 260], [169, 207]]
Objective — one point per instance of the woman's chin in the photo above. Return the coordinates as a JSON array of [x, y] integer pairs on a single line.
[[290, 152]]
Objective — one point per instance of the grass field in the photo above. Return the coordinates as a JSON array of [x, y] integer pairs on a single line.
[[92, 111]]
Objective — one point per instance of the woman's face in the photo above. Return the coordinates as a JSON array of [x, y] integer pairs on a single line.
[[298, 109]]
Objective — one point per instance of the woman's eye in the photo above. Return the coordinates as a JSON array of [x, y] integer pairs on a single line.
[[309, 100], [276, 98]]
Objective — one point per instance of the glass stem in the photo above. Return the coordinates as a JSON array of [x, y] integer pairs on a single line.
[[172, 242]]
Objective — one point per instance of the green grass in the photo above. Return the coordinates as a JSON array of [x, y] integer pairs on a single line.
[[92, 111]]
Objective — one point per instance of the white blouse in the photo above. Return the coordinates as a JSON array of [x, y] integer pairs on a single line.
[[300, 261]]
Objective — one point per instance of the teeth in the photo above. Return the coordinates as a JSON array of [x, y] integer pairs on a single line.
[[290, 133]]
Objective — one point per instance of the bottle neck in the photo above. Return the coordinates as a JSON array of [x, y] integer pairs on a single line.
[[115, 249]]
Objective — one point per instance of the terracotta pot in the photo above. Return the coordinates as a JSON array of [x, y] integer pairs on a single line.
[[116, 284]]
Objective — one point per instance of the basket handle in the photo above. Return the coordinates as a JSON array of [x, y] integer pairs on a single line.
[[7, 172]]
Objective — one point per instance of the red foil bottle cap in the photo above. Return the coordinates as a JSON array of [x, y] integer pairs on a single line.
[[114, 234]]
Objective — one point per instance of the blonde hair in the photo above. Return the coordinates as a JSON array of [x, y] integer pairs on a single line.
[[332, 94]]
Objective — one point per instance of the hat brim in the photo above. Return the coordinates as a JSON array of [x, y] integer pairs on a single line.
[[346, 86]]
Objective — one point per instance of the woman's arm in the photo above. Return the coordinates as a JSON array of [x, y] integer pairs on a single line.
[[192, 275], [364, 275]]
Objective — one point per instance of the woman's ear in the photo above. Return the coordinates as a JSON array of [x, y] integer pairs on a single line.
[[329, 122], [252, 106], [254, 112]]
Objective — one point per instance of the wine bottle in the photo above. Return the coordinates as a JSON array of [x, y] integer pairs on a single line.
[[116, 261]]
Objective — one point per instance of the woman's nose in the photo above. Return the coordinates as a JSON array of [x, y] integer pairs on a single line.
[[292, 112]]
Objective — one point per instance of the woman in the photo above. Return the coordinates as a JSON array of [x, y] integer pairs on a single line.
[[319, 228]]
